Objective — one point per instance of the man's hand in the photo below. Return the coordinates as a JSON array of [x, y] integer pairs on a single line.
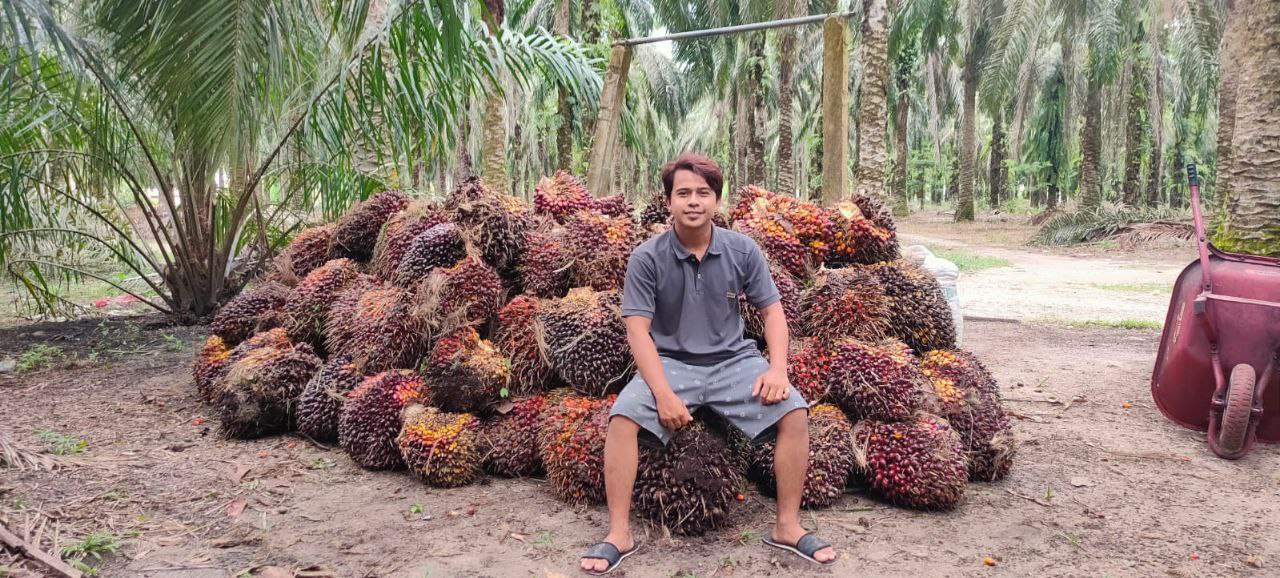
[[772, 386], [672, 412]]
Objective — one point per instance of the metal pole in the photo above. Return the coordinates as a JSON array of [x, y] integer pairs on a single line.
[[733, 29]]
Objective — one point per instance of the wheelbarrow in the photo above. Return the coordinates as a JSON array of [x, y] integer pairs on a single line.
[[1224, 315]]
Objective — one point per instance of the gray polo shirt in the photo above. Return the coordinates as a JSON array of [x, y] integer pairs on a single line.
[[694, 305]]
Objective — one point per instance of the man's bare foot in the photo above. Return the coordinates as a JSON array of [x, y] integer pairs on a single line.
[[791, 534], [621, 540]]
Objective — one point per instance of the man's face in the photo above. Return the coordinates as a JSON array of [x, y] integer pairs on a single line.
[[692, 201]]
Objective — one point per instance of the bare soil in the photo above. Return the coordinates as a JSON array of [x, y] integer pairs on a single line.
[[1102, 485]]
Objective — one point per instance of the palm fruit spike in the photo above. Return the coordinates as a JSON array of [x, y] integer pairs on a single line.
[[571, 445], [918, 311], [808, 364], [845, 303], [510, 439], [442, 449], [517, 339], [585, 340], [544, 270], [561, 195], [356, 233], [254, 310], [792, 232], [258, 393], [615, 206], [860, 239], [918, 463], [876, 381], [655, 211], [970, 400], [689, 486], [400, 231], [466, 373], [308, 249], [792, 297], [830, 437], [599, 247], [370, 418], [494, 223], [469, 292], [209, 366], [321, 401], [306, 310], [439, 246], [374, 326]]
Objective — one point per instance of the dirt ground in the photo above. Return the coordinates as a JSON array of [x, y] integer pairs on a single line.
[[1103, 485]]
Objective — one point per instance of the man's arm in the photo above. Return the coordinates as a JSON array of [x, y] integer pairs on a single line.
[[773, 386], [672, 412]]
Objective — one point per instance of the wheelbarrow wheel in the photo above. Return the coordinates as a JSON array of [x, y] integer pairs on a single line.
[[1235, 418]]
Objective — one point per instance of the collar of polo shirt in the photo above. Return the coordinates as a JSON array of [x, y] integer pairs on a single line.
[[715, 248]]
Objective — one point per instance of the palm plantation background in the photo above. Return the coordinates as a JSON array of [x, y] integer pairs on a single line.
[[168, 147]]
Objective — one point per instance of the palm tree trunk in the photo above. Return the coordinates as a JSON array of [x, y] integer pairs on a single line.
[[873, 111], [1155, 170], [1253, 219], [901, 109], [1068, 98], [786, 69], [1135, 132], [1229, 72], [564, 134], [755, 152], [996, 171], [1091, 146], [493, 137], [968, 108]]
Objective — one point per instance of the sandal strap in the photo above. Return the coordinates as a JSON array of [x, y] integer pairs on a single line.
[[810, 543], [603, 551]]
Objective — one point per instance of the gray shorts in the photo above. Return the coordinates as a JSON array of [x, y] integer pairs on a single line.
[[725, 388]]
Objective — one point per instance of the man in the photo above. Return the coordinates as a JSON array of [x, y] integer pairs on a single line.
[[680, 304]]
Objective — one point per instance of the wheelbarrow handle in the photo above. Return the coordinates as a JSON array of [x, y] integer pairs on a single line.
[[1192, 177]]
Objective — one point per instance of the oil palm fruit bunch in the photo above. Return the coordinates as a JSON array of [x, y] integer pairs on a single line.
[[258, 392], [845, 303], [655, 211], [440, 448], [306, 310], [510, 437], [830, 461], [689, 486], [544, 268], [320, 403], [585, 340], [308, 249], [860, 237], [374, 326], [255, 309], [761, 215], [918, 311], [571, 444], [517, 339], [441, 245], [209, 366], [792, 295], [466, 373], [970, 400], [561, 195], [876, 380], [494, 223], [917, 463], [399, 232], [469, 292], [370, 419], [356, 232], [599, 247], [615, 206], [808, 365]]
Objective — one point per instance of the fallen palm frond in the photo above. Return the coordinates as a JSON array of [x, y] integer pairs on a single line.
[[1093, 225], [13, 455]]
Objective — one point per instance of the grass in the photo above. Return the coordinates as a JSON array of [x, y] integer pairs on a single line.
[[1132, 287], [1137, 324], [39, 356], [94, 545], [62, 444], [970, 262]]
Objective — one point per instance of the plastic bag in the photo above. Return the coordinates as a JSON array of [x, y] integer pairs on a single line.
[[948, 276]]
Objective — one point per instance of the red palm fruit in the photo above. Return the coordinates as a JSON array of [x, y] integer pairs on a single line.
[[306, 310], [517, 339], [585, 340], [970, 400], [918, 311], [466, 373], [510, 437], [257, 393], [689, 486], [370, 418], [571, 445], [255, 309], [356, 232], [918, 463], [320, 404], [830, 461], [876, 381], [808, 365], [845, 303], [442, 449], [561, 195], [792, 298], [599, 247], [544, 270], [209, 366], [439, 246], [375, 326], [494, 223], [469, 292], [400, 231], [308, 249]]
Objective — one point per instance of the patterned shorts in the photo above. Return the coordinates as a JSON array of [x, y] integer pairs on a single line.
[[724, 388]]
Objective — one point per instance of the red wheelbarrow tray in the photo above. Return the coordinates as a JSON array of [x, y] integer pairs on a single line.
[[1245, 313]]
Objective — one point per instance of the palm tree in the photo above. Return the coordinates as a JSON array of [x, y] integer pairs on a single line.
[[980, 19], [872, 100], [1104, 18], [786, 81], [1155, 172], [1135, 121], [564, 109]]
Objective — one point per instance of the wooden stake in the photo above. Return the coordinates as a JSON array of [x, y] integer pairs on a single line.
[[604, 144], [835, 111], [35, 553]]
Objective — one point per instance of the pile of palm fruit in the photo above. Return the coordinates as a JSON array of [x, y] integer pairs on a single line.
[[481, 334]]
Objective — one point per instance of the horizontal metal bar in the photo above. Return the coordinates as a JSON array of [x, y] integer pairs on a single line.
[[1242, 300], [733, 29]]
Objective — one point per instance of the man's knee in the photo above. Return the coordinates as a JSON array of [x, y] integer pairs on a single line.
[[795, 421], [623, 425]]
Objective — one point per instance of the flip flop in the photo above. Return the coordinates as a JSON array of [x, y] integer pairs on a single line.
[[805, 547], [609, 553]]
